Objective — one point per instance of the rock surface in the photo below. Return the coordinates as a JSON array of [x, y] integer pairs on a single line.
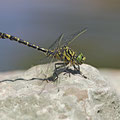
[[113, 75], [31, 96]]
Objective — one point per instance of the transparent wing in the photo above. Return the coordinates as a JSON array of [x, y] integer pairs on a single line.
[[56, 43], [69, 39], [66, 40]]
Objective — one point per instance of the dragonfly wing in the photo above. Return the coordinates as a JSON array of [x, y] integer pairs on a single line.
[[68, 39], [56, 43]]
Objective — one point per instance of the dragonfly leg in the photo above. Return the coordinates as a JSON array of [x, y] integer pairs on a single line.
[[78, 69], [67, 71], [58, 66]]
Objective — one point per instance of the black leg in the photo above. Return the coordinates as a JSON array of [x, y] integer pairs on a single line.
[[58, 66], [67, 71], [78, 70], [78, 67]]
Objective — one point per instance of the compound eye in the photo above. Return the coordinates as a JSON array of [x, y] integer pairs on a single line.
[[83, 58], [79, 58]]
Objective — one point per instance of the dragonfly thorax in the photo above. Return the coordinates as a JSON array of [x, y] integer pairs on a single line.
[[67, 55]]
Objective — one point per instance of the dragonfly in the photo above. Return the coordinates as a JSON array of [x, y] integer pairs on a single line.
[[61, 52]]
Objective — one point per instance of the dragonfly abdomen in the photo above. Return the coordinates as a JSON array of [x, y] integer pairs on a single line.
[[12, 38]]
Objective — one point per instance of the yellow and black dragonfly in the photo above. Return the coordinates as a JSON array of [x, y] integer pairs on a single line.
[[61, 52]]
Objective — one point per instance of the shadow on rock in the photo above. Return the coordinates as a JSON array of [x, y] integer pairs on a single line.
[[52, 78]]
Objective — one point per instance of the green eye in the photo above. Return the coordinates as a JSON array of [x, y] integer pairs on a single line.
[[80, 58]]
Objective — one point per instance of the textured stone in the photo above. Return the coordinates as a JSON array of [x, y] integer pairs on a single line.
[[31, 96], [113, 75]]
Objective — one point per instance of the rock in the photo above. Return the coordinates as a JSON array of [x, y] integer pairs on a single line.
[[113, 75], [7, 75], [32, 96]]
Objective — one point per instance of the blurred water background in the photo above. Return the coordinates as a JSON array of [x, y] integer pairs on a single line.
[[42, 21]]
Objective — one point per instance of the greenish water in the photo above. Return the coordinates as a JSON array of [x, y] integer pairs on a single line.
[[41, 22]]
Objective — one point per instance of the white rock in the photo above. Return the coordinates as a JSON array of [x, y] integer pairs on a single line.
[[30, 97]]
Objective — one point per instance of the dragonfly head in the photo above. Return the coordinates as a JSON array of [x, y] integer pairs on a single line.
[[80, 58]]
